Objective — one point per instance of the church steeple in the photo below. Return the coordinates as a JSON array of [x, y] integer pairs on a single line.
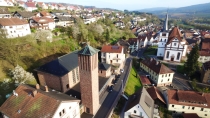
[[165, 28]]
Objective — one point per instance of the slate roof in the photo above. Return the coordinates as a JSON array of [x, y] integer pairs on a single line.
[[25, 14], [175, 96], [157, 67], [103, 66], [112, 49], [142, 98], [11, 21], [64, 18], [174, 33], [43, 104], [62, 65], [4, 11], [88, 50], [155, 94]]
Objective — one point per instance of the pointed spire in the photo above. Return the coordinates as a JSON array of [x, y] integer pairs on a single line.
[[166, 22]]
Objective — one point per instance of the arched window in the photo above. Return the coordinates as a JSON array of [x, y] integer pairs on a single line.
[[167, 55], [134, 111]]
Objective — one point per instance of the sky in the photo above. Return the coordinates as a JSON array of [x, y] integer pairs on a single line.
[[132, 4]]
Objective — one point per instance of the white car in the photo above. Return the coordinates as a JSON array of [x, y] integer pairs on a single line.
[[121, 70]]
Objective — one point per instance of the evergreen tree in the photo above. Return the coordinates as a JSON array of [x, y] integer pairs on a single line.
[[107, 35], [191, 65]]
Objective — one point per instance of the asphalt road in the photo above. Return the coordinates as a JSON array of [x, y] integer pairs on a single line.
[[109, 101], [180, 84]]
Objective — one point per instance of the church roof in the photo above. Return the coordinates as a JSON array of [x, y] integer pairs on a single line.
[[174, 33], [88, 50], [103, 66]]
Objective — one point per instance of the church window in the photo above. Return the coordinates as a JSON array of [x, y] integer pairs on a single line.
[[165, 40], [160, 40], [167, 55], [77, 73], [174, 44], [178, 56], [73, 76]]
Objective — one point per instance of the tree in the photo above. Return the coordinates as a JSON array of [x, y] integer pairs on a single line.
[[20, 76], [107, 35], [191, 65], [75, 31]]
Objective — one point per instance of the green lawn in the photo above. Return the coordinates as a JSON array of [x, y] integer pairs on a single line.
[[152, 50], [133, 83]]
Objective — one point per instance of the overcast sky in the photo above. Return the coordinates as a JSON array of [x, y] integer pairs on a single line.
[[132, 4]]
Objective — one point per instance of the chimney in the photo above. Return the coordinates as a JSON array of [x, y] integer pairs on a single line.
[[34, 93], [37, 86], [46, 89]]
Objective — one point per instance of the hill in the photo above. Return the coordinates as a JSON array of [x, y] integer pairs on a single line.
[[199, 10]]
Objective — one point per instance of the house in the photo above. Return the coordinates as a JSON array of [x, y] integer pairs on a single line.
[[64, 21], [6, 3], [4, 13], [134, 44], [125, 45], [145, 80], [156, 95], [60, 13], [180, 101], [89, 19], [60, 74], [160, 74], [44, 14], [140, 105], [23, 14], [205, 72], [112, 54], [30, 6], [143, 40], [42, 23], [14, 27], [61, 7], [175, 46], [53, 6], [42, 5], [104, 70], [27, 101], [119, 24], [21, 3], [205, 51]]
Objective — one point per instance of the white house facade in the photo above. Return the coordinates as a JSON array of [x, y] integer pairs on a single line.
[[14, 27], [112, 54], [175, 47], [180, 101], [158, 73], [140, 105], [68, 110], [162, 40]]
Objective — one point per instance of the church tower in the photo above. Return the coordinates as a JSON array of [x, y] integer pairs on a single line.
[[89, 81], [165, 27], [163, 38]]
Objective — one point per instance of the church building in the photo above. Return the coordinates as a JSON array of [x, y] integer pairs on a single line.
[[171, 46]]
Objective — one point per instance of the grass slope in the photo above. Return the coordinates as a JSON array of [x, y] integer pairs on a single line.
[[133, 83]]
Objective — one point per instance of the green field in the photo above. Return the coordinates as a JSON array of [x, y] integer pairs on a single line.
[[133, 83]]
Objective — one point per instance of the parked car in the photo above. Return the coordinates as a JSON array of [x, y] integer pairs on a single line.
[[121, 70], [111, 88], [115, 81]]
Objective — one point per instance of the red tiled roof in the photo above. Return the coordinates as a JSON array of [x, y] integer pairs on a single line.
[[181, 97], [144, 80], [156, 66], [43, 104], [190, 115], [131, 41], [205, 44], [204, 53], [11, 21], [155, 94], [112, 49], [30, 4], [44, 13], [43, 19], [174, 33]]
